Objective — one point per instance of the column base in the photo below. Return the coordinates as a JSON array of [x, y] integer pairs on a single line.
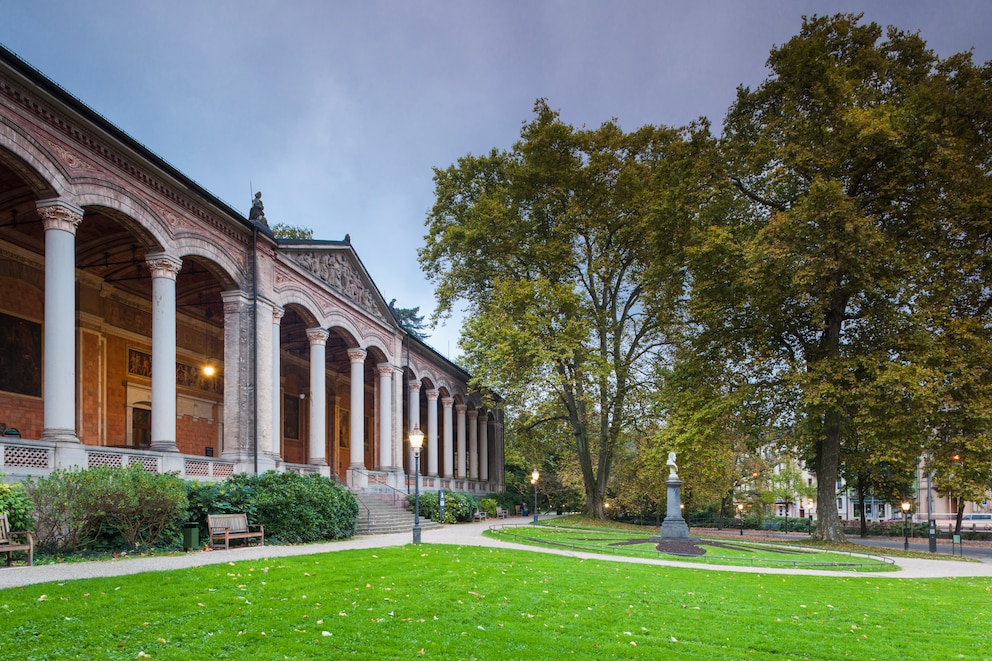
[[163, 446], [58, 435]]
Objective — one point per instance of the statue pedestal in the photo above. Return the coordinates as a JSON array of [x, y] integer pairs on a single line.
[[674, 526]]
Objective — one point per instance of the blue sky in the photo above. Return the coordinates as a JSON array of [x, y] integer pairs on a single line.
[[337, 111]]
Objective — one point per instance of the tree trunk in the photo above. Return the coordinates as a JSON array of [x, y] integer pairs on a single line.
[[827, 450], [828, 526], [861, 498]]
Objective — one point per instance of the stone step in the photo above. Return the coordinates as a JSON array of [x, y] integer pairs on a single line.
[[376, 517]]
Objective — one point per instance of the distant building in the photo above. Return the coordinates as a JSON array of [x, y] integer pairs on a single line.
[[143, 320]]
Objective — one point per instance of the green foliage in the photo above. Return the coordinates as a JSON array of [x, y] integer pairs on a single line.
[[488, 505], [458, 507], [106, 508], [545, 244], [842, 240], [17, 505], [298, 509], [227, 497], [282, 231], [410, 319]]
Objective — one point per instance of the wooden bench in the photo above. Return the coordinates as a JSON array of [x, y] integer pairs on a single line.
[[500, 512], [225, 527], [480, 515], [8, 545]]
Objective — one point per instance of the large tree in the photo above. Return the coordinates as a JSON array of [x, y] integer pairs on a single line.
[[812, 272], [545, 245]]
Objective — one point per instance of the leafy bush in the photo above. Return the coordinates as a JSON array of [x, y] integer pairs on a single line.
[[297, 509], [106, 508], [15, 502], [488, 505], [457, 506], [217, 498]]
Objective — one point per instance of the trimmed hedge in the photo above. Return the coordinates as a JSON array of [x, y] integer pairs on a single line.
[[294, 508]]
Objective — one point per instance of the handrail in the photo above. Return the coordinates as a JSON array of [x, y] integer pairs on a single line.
[[381, 484]]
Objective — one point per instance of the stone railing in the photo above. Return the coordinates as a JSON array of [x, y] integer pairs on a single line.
[[39, 458]]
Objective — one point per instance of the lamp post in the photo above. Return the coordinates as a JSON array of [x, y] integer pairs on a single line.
[[416, 442], [533, 480], [905, 528], [740, 515]]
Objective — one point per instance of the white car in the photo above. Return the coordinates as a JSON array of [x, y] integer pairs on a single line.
[[976, 521]]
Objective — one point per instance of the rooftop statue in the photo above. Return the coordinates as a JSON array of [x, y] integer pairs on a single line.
[[257, 209]]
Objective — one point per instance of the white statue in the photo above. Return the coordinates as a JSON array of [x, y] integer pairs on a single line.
[[674, 470]]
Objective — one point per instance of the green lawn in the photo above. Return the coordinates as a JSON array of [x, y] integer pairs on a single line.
[[445, 602], [643, 543]]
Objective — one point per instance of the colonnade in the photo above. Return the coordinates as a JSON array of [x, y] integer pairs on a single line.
[[457, 438]]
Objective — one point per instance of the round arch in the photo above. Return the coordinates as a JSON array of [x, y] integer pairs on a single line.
[[40, 169]]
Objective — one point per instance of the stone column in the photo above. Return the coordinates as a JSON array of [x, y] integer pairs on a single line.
[[484, 446], [397, 460], [357, 358], [318, 395], [473, 444], [237, 376], [413, 410], [60, 221], [432, 432], [385, 371], [264, 379], [460, 435], [277, 314], [449, 450], [165, 269]]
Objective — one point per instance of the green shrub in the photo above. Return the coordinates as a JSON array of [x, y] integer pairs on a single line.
[[106, 508], [226, 497], [297, 509], [488, 505], [15, 501], [457, 506]]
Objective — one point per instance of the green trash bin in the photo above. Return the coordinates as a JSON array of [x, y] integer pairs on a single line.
[[191, 536]]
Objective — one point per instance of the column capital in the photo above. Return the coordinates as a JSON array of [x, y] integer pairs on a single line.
[[460, 408], [60, 215], [446, 402], [432, 395], [414, 386], [317, 336], [163, 265], [384, 369], [473, 414], [357, 355], [277, 314]]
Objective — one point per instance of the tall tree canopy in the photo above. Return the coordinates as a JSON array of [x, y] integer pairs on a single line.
[[545, 244], [410, 319], [839, 167]]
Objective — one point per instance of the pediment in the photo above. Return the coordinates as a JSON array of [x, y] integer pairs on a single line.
[[338, 267]]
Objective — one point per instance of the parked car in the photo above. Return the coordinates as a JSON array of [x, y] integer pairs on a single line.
[[976, 521]]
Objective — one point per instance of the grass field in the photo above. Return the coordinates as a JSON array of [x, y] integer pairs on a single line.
[[643, 543], [445, 602]]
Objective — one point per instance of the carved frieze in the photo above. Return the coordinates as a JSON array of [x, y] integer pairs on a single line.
[[336, 270]]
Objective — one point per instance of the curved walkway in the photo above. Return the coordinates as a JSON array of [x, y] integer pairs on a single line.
[[467, 534]]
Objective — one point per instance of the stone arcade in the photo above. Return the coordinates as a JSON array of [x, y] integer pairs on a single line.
[[143, 320]]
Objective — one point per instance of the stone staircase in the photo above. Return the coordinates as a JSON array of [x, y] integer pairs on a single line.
[[377, 517]]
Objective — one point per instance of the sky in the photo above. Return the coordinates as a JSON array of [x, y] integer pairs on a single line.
[[339, 111]]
